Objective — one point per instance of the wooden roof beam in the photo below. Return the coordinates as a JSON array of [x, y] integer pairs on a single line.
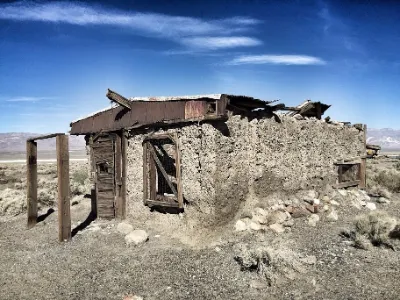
[[117, 98]]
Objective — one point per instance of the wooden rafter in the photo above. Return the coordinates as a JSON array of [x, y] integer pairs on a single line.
[[117, 98]]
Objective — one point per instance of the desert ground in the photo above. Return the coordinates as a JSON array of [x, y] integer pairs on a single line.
[[348, 250]]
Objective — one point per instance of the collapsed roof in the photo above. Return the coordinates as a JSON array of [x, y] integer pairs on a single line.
[[137, 112]]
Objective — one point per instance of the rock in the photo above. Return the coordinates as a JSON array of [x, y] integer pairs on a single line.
[[325, 199], [326, 207], [240, 226], [277, 228], [124, 228], [371, 206], [316, 201], [258, 284], [343, 193], [277, 217], [289, 223], [334, 203], [298, 117], [313, 219], [255, 226], [383, 200], [260, 219], [217, 249], [299, 212], [260, 211], [136, 237], [332, 216], [130, 297], [94, 228], [309, 260]]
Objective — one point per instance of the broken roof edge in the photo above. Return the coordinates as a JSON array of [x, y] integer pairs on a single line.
[[173, 98]]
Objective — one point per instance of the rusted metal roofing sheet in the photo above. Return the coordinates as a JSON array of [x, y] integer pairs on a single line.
[[177, 98], [151, 110]]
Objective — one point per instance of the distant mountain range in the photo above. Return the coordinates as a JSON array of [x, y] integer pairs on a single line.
[[387, 138], [16, 142]]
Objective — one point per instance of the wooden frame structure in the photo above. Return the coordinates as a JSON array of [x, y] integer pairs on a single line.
[[119, 173], [151, 166], [64, 215]]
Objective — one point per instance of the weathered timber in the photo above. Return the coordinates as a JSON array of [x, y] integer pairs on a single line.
[[162, 170], [363, 173], [347, 184], [145, 174], [124, 146], [160, 203], [93, 203], [31, 182], [43, 137], [64, 216], [118, 175], [117, 98], [178, 171], [152, 174]]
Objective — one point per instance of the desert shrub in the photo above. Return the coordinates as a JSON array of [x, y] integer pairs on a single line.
[[389, 179], [373, 228], [379, 191], [397, 166], [80, 176]]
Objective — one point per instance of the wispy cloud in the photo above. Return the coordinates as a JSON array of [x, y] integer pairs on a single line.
[[177, 28], [277, 60], [210, 42], [28, 99]]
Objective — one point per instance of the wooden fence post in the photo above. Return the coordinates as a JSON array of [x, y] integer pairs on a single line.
[[31, 182], [118, 181], [64, 215]]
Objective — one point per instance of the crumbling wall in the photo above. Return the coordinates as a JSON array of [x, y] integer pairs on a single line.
[[225, 164]]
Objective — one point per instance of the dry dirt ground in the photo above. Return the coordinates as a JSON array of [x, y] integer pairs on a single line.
[[190, 263]]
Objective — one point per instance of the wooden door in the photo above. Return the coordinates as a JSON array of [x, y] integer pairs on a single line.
[[103, 159]]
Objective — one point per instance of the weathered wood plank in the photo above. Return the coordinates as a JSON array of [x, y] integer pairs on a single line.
[[31, 182], [363, 173], [145, 173], [43, 137], [117, 98], [347, 184], [162, 170], [152, 174], [178, 171], [124, 171], [64, 216], [160, 203]]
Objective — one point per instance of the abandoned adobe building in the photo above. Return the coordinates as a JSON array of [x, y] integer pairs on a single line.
[[214, 151]]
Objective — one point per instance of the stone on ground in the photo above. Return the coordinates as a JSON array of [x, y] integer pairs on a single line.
[[136, 237], [277, 217], [382, 200], [255, 226], [371, 206], [240, 226], [313, 219], [124, 228], [277, 228], [332, 216]]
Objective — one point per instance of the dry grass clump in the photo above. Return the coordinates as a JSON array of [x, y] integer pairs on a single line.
[[373, 228], [271, 264], [12, 202], [389, 179], [379, 191]]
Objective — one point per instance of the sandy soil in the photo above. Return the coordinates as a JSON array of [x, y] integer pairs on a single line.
[[97, 264]]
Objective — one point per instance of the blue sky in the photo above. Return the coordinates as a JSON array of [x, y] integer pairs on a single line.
[[57, 59]]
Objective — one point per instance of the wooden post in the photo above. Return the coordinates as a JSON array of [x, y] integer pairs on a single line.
[[178, 171], [64, 215], [145, 174], [152, 174], [118, 181], [31, 182], [362, 173], [124, 146], [318, 110]]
